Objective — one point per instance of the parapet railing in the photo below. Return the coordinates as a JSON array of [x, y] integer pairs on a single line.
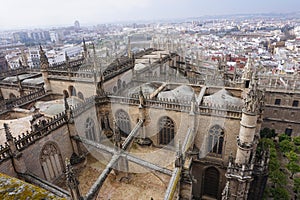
[[41, 129], [22, 100], [4, 151]]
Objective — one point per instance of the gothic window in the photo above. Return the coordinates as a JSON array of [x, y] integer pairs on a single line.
[[123, 122], [50, 159], [216, 139], [90, 129], [211, 182], [72, 90], [80, 96], [166, 131]]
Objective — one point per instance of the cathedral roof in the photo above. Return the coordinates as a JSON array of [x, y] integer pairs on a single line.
[[13, 188], [147, 88], [139, 66], [181, 93], [222, 97], [54, 107]]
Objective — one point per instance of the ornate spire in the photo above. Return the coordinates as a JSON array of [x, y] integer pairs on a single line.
[[94, 57], [72, 182], [129, 48], [193, 104], [253, 101], [117, 135], [67, 58], [248, 70], [141, 98], [20, 63], [24, 58], [20, 85], [99, 89], [84, 45], [179, 156], [85, 51], [8, 134], [43, 59], [67, 107]]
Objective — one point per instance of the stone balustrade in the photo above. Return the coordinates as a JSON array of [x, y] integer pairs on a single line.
[[43, 128], [22, 100], [4, 152]]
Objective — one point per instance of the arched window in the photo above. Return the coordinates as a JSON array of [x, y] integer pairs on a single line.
[[211, 182], [12, 96], [216, 139], [119, 84], [166, 131], [51, 161], [72, 90], [90, 129], [123, 122], [80, 96]]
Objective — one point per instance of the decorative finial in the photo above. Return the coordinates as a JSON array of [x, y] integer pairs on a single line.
[[20, 63], [8, 134], [141, 98], [117, 135], [43, 58], [253, 101], [179, 157], [99, 89], [67, 107], [71, 179]]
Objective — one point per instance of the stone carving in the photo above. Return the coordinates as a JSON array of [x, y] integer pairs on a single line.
[[43, 59], [48, 150], [253, 101], [248, 72]]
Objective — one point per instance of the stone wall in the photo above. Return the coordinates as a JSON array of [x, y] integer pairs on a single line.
[[6, 167], [32, 153]]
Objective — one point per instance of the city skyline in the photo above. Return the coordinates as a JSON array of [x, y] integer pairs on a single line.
[[34, 14]]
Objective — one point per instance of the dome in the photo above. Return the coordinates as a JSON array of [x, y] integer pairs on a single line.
[[139, 66], [222, 97], [181, 93]]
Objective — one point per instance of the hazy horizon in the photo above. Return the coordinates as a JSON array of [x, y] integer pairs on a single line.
[[15, 14]]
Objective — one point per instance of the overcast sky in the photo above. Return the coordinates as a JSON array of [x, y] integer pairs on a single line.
[[41, 13]]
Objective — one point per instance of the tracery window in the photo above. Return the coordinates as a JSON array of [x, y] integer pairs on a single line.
[[123, 122], [90, 129], [166, 131], [51, 161], [216, 139]]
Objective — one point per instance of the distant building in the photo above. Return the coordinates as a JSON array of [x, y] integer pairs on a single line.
[[20, 37], [3, 62], [76, 24], [54, 36], [34, 59]]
